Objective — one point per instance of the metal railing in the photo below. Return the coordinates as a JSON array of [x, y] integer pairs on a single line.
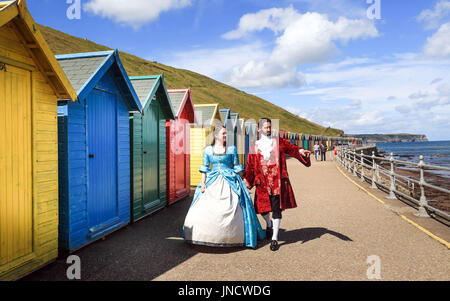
[[369, 168]]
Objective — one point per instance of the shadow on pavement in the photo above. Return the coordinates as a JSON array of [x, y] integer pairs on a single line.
[[307, 234], [141, 251]]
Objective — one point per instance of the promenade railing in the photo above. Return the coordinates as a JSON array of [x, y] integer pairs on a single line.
[[369, 168]]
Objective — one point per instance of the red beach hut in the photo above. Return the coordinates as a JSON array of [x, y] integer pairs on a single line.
[[178, 145]]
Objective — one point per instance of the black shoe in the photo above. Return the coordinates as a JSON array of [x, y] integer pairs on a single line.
[[274, 245], [269, 232]]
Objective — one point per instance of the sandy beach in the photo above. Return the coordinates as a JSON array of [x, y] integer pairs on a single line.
[[437, 199]]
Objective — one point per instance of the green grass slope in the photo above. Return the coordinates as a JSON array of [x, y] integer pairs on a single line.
[[204, 90]]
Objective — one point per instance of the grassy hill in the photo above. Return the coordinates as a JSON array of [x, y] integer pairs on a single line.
[[204, 89]]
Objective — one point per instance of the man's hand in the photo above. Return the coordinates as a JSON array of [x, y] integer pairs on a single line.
[[305, 153]]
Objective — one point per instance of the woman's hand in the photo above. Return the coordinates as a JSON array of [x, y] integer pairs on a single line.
[[247, 184], [203, 181], [203, 188]]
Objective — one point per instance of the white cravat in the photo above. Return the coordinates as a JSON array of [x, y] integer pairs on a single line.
[[265, 145]]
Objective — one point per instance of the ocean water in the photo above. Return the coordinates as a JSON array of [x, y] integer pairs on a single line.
[[434, 152]]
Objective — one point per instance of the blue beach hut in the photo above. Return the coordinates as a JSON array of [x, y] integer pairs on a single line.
[[225, 114], [94, 148], [250, 138], [232, 129]]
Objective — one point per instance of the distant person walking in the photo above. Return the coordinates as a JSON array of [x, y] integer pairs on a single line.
[[335, 151], [323, 152], [317, 151]]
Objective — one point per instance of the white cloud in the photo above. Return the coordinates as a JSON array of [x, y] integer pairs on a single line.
[[275, 19], [312, 38], [433, 17], [257, 74], [435, 81], [438, 45], [348, 62], [408, 93], [302, 39], [134, 13]]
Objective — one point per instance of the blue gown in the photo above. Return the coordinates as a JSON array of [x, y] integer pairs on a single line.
[[224, 214]]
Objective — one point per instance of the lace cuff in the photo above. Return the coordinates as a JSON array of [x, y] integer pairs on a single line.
[[204, 169]]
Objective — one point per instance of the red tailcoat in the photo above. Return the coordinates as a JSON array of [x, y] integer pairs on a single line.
[[254, 176]]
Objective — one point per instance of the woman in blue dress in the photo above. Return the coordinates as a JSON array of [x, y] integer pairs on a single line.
[[222, 212]]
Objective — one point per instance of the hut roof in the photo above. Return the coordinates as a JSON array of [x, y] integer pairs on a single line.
[[207, 113], [250, 128], [16, 13], [85, 70], [241, 126], [179, 98], [225, 114], [235, 119], [147, 87]]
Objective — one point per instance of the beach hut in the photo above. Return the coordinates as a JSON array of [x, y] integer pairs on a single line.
[[275, 132], [232, 129], [31, 81], [94, 148], [149, 162], [241, 140], [225, 114], [292, 138], [208, 116], [235, 118], [178, 145], [250, 138]]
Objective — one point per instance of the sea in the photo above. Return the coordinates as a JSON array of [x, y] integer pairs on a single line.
[[434, 152]]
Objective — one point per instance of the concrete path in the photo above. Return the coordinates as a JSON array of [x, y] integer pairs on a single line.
[[330, 236]]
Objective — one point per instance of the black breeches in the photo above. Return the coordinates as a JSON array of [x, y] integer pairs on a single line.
[[276, 207]]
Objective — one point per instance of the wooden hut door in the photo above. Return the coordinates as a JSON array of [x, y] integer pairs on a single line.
[[151, 156], [180, 158], [102, 151], [16, 201]]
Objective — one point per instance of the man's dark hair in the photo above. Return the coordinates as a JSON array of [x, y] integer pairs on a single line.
[[264, 120]]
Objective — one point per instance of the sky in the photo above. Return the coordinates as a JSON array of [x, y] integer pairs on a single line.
[[363, 66]]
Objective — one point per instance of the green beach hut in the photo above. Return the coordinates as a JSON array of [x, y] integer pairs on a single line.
[[148, 140]]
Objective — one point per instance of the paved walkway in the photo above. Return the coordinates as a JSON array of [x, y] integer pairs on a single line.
[[328, 237]]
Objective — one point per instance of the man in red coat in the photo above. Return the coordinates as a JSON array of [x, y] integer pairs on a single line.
[[266, 169]]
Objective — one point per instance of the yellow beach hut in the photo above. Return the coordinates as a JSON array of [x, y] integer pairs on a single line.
[[31, 81], [208, 115]]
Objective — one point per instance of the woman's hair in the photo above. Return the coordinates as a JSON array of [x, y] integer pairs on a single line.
[[217, 129]]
